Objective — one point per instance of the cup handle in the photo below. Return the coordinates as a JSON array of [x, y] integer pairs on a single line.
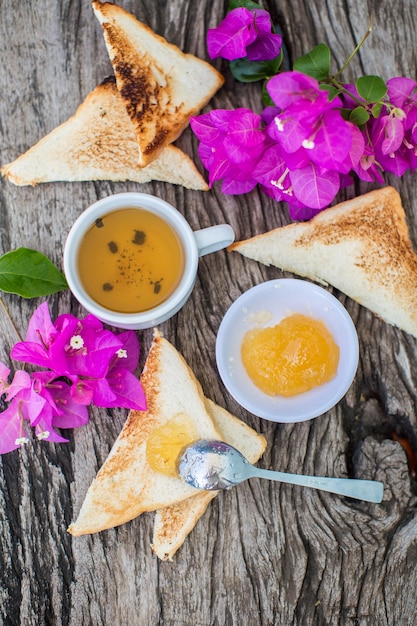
[[213, 238]]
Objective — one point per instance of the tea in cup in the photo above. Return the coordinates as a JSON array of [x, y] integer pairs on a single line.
[[131, 259]]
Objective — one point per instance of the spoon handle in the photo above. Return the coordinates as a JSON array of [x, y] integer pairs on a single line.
[[368, 490]]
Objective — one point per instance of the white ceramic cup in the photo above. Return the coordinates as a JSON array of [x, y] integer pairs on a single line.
[[195, 244]]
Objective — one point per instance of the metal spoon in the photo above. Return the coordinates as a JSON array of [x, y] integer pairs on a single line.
[[214, 465]]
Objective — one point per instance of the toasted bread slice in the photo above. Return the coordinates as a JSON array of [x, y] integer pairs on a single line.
[[161, 86], [126, 485], [174, 523], [360, 246], [99, 143]]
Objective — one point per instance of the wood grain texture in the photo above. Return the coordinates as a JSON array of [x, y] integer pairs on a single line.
[[263, 554]]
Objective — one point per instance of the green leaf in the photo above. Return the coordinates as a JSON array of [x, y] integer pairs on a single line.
[[266, 98], [371, 88], [331, 89], [29, 274], [359, 116], [248, 4], [315, 63], [251, 71], [376, 109]]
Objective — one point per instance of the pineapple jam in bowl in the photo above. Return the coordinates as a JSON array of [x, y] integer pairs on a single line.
[[287, 350]]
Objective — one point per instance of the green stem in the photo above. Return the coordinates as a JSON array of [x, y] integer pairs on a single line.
[[360, 44]]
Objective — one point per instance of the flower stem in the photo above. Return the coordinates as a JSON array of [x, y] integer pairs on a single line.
[[9, 317], [360, 44]]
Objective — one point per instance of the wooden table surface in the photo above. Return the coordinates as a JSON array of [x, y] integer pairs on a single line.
[[263, 553]]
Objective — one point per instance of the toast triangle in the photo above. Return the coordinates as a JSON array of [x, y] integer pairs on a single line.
[[99, 143], [361, 247], [126, 485], [174, 523], [161, 85]]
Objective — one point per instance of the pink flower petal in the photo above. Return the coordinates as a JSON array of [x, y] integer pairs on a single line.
[[314, 188], [40, 328], [267, 46], [205, 130], [233, 34], [402, 91], [11, 429], [388, 134], [73, 414], [127, 390], [233, 187], [21, 382], [332, 142], [4, 377], [287, 87]]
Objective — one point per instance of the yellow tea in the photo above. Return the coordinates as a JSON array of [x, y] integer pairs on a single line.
[[130, 260]]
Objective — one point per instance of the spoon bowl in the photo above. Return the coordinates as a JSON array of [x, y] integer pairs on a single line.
[[215, 465]]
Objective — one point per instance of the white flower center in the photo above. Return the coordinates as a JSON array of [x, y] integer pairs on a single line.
[[308, 144], [367, 161], [279, 124], [122, 354], [21, 440], [43, 435], [76, 342], [280, 182]]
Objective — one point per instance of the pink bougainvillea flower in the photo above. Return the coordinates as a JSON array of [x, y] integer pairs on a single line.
[[65, 412], [368, 168], [241, 154], [232, 142], [307, 119], [21, 382], [206, 129], [402, 93], [118, 387], [126, 391], [245, 128], [243, 125], [125, 386], [89, 352], [101, 367], [24, 404], [272, 172], [410, 143], [299, 211], [92, 391], [4, 378], [83, 363], [309, 142], [244, 33], [387, 134], [393, 152], [86, 353], [35, 403], [267, 44], [237, 185], [315, 187], [230, 38], [356, 150], [40, 336], [301, 91], [397, 163], [215, 161], [12, 431], [69, 346]]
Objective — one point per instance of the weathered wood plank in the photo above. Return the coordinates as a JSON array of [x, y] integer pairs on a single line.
[[263, 554]]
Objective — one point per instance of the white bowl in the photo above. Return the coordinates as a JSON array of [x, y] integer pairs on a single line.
[[266, 305]]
